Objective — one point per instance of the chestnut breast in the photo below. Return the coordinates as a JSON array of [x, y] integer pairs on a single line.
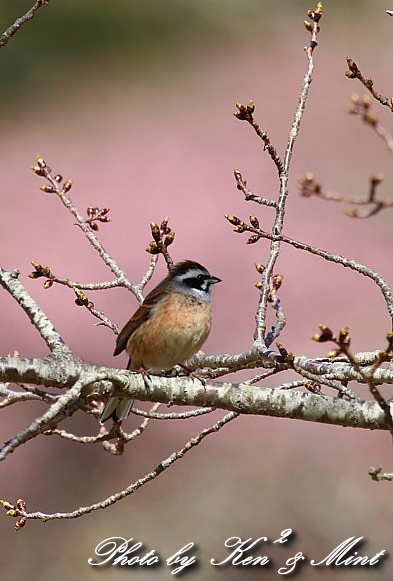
[[174, 332]]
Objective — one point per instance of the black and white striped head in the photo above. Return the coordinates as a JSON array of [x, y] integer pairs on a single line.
[[192, 279]]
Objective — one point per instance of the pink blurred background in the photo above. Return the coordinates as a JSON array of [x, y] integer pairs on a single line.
[[160, 139]]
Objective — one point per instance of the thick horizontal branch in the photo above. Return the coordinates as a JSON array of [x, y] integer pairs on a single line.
[[241, 398], [245, 399]]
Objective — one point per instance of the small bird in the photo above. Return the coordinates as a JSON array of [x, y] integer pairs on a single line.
[[169, 327]]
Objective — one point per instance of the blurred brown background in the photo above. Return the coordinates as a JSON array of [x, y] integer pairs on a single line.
[[133, 101]]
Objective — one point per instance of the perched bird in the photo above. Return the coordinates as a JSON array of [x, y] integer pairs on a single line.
[[169, 327]]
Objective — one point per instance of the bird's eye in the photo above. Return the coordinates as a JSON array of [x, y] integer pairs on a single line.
[[201, 277]]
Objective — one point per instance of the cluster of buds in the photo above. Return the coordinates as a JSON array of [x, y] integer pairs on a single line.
[[240, 226], [361, 106], [259, 268], [162, 237], [244, 113], [375, 180], [275, 283], [354, 72], [43, 170], [42, 271], [81, 299], [343, 340], [96, 214], [309, 186], [15, 511], [315, 16]]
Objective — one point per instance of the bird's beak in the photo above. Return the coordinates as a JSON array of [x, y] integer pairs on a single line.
[[390, 12], [214, 280]]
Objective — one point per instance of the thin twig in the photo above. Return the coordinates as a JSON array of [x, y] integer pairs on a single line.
[[10, 282], [352, 264], [354, 73], [19, 22], [248, 195], [260, 329], [173, 416], [159, 469]]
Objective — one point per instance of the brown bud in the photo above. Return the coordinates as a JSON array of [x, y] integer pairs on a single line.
[[20, 524], [48, 283], [368, 83], [155, 231], [153, 248], [283, 352], [58, 178], [344, 337], [38, 170], [81, 299], [316, 14], [377, 179], [41, 162], [370, 119], [169, 239], [254, 221], [250, 107], [233, 220], [277, 280], [308, 25], [67, 186], [333, 353], [325, 335], [239, 229], [164, 225], [21, 504], [48, 189], [259, 267], [351, 212], [313, 386], [258, 285], [41, 270], [243, 112], [253, 239]]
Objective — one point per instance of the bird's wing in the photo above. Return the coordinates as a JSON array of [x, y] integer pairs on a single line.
[[140, 316]]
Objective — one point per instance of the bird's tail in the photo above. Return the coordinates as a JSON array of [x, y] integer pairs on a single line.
[[116, 408]]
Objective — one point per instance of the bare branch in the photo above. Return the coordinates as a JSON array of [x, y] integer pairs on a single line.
[[159, 469], [354, 73], [352, 264], [19, 22], [9, 281], [249, 196], [260, 330]]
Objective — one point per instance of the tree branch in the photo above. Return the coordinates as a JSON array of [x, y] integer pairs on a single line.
[[19, 22]]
